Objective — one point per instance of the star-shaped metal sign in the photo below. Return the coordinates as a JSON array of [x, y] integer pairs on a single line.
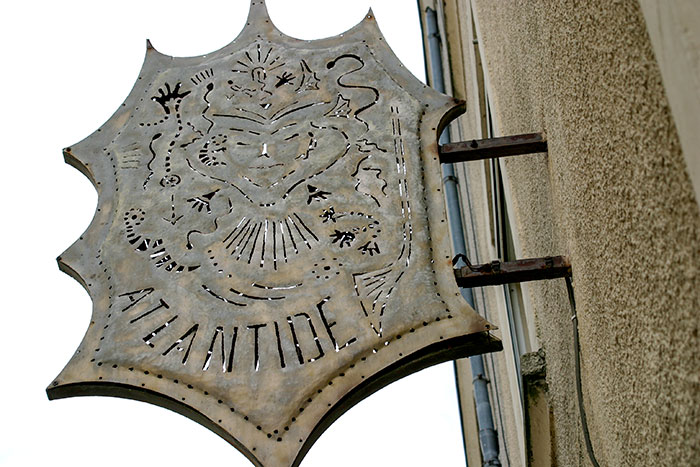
[[270, 243]]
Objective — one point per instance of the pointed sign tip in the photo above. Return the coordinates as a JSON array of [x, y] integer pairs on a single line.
[[258, 11], [151, 50]]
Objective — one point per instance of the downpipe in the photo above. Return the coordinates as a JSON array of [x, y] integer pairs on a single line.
[[488, 436]]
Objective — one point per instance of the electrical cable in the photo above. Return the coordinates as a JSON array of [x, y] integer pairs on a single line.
[[577, 362]]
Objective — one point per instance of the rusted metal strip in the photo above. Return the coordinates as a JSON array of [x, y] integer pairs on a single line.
[[490, 148], [506, 272]]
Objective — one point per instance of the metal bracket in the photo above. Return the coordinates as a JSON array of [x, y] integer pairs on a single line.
[[506, 272], [490, 148]]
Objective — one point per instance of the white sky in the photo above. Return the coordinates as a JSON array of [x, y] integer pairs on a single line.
[[68, 65]]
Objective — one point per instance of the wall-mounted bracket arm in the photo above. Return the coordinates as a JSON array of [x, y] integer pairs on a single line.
[[506, 272], [478, 149]]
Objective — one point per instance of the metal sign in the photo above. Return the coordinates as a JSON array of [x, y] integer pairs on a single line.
[[270, 243]]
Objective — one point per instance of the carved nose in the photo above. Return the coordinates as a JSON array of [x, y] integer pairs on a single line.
[[263, 151]]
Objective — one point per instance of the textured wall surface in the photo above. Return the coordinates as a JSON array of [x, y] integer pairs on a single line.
[[674, 30], [614, 194]]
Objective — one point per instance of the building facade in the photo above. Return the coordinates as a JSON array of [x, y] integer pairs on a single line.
[[615, 89]]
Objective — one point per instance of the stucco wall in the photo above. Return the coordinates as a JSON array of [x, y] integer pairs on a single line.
[[614, 194], [674, 30]]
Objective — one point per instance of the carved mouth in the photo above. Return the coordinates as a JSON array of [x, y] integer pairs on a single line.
[[262, 167]]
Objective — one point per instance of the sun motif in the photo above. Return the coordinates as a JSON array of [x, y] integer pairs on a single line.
[[270, 243]]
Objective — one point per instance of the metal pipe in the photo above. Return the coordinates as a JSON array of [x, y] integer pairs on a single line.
[[488, 437]]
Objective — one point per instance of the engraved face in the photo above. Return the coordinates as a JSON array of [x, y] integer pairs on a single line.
[[267, 158], [267, 175], [271, 123]]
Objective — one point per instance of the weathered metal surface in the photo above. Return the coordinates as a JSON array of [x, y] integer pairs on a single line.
[[477, 149], [506, 272], [270, 243]]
